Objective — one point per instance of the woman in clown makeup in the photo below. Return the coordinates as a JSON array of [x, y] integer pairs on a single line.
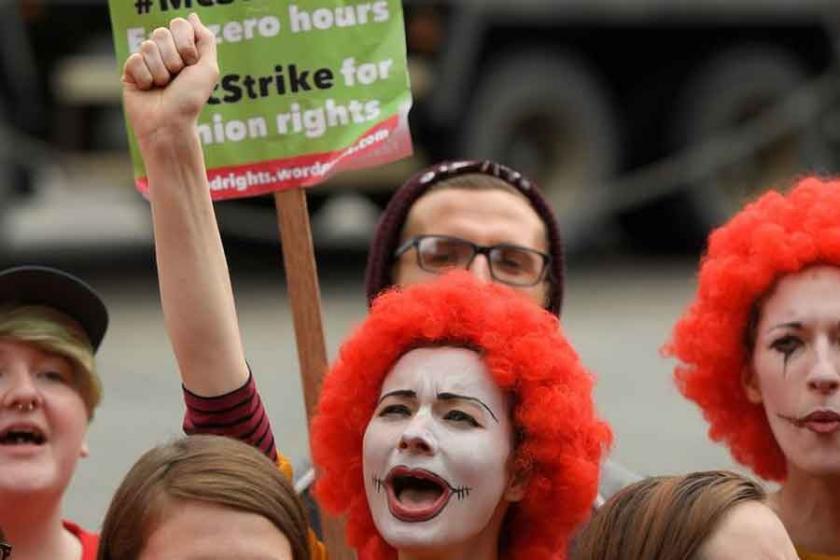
[[457, 421], [760, 353], [473, 420]]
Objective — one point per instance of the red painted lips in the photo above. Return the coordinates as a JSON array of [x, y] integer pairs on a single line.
[[416, 495], [819, 421]]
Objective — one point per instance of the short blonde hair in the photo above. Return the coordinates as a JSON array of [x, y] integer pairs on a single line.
[[56, 333]]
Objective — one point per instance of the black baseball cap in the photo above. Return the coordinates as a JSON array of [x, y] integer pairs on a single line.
[[43, 285]]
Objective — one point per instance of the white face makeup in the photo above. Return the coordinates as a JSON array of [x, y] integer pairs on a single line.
[[437, 450], [796, 368]]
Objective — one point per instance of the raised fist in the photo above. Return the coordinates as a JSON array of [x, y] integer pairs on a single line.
[[167, 83]]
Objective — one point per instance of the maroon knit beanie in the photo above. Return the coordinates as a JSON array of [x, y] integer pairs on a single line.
[[386, 238]]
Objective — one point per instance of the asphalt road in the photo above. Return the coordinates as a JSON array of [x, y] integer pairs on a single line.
[[618, 311]]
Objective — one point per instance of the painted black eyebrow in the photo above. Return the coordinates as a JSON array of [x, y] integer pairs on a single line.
[[398, 393], [454, 396], [792, 325]]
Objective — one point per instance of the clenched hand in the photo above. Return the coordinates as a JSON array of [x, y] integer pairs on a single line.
[[167, 83]]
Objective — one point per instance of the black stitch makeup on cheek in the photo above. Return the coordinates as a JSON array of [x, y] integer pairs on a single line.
[[462, 492], [378, 483]]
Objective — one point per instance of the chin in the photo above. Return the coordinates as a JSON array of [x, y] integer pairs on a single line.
[[29, 480], [413, 538], [820, 465], [441, 532], [814, 460], [808, 453]]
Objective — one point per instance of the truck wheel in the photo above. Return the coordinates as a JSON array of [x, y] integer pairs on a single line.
[[728, 91], [545, 114]]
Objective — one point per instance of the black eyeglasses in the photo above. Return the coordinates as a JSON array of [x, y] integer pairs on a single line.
[[509, 264], [5, 551]]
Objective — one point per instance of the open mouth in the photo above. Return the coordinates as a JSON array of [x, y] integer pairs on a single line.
[[416, 495], [22, 435]]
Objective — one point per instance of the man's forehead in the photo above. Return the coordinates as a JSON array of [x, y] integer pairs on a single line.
[[456, 200], [482, 216]]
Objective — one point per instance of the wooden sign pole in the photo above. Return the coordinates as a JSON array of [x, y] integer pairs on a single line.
[[305, 300]]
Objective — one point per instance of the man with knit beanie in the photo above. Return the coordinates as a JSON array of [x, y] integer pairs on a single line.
[[477, 215], [484, 217]]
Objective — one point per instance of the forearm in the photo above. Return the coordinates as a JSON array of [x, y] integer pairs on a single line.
[[238, 414], [195, 288]]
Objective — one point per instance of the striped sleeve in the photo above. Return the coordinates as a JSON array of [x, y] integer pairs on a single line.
[[239, 414]]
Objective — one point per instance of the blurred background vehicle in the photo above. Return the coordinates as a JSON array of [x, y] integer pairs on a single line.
[[662, 115], [636, 117]]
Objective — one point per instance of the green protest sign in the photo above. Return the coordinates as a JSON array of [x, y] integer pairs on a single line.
[[306, 89]]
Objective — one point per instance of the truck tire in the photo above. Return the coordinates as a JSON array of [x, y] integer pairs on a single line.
[[727, 91], [546, 114]]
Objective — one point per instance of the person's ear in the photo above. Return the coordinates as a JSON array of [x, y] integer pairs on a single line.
[[749, 381], [517, 484], [84, 451]]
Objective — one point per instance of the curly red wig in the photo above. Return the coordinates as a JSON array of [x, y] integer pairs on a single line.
[[561, 439], [771, 237]]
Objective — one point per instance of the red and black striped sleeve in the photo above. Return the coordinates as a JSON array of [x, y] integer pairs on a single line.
[[239, 414]]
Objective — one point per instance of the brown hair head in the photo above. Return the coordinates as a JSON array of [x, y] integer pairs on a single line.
[[664, 517], [211, 469]]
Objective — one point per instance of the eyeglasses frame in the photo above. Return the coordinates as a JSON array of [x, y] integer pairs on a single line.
[[414, 242]]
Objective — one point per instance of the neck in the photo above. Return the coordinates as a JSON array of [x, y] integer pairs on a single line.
[[809, 507], [33, 528]]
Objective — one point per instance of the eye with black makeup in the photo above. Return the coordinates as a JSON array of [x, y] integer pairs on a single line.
[[786, 345], [394, 410], [456, 415]]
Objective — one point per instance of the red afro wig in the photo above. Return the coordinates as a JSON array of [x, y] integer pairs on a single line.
[[771, 237], [561, 439]]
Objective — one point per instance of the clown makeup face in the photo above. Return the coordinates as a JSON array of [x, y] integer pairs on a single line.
[[437, 453], [43, 421], [796, 368]]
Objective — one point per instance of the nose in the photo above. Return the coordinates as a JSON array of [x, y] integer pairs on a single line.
[[824, 377], [418, 439], [19, 392], [480, 268]]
